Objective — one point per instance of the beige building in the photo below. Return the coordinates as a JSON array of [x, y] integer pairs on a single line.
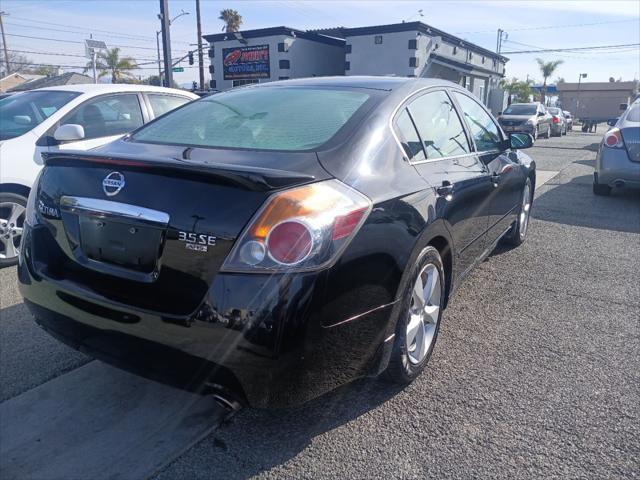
[[14, 79], [596, 100]]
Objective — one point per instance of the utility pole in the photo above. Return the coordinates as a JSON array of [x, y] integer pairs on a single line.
[[159, 61], [580, 77], [501, 35], [166, 42], [200, 59], [4, 43]]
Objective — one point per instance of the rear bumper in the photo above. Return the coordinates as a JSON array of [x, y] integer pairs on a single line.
[[266, 338], [614, 166]]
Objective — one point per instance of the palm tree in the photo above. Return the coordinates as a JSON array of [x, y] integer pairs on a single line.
[[547, 69], [519, 91], [232, 20], [110, 62]]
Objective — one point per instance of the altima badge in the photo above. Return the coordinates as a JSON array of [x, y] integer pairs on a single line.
[[113, 183]]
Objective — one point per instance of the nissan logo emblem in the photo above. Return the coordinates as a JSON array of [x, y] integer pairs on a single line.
[[113, 183]]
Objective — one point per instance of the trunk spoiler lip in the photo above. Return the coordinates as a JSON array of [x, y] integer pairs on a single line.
[[250, 177]]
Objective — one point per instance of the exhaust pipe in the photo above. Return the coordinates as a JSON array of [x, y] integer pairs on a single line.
[[224, 397]]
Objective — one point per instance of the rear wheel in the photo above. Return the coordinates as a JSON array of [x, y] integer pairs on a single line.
[[518, 233], [599, 188], [12, 214], [419, 322]]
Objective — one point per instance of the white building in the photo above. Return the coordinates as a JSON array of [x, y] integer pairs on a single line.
[[411, 49]]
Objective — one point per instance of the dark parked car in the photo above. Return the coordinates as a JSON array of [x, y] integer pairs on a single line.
[[273, 242], [530, 118]]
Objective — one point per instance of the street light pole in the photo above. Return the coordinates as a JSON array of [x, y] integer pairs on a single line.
[[580, 77], [4, 43], [166, 42], [158, 32]]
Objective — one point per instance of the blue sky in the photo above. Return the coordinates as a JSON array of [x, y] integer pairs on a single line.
[[133, 23]]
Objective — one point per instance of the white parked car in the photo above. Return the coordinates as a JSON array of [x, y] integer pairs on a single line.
[[78, 117]]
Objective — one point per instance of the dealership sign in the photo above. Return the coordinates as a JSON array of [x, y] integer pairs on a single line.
[[244, 63]]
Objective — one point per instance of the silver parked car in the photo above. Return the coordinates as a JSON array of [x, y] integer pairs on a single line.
[[558, 122], [618, 160], [530, 118]]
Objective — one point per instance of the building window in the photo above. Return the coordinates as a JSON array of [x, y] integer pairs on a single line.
[[212, 52], [377, 39], [283, 78], [483, 59], [347, 48], [284, 64], [239, 83], [470, 55], [211, 69], [413, 44], [413, 62], [455, 50], [494, 63], [212, 84], [347, 65], [283, 47]]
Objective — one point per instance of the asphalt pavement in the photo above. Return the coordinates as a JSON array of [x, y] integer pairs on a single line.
[[536, 373]]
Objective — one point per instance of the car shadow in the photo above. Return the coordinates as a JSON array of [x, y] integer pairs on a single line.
[[567, 203], [256, 441]]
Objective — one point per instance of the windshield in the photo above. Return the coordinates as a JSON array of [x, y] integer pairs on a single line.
[[258, 118], [554, 111], [520, 110], [22, 112]]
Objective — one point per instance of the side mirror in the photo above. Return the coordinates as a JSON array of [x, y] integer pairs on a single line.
[[612, 122], [69, 132], [499, 113], [541, 114], [518, 141]]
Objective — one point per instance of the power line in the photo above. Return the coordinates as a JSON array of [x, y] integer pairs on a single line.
[[65, 54], [551, 27], [82, 31], [79, 42], [574, 49]]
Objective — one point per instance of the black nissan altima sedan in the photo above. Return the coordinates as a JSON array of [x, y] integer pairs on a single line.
[[270, 243]]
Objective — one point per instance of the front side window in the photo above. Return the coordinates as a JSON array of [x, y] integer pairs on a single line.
[[161, 104], [409, 137], [264, 118], [484, 130], [107, 115], [22, 112], [439, 126]]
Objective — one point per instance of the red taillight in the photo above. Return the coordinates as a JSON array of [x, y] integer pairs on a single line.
[[344, 225], [289, 242], [613, 138], [555, 120]]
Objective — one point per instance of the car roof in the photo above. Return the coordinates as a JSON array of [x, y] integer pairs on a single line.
[[102, 88], [372, 82]]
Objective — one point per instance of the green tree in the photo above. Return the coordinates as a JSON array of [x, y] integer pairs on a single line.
[[547, 69], [232, 20], [519, 91], [109, 62]]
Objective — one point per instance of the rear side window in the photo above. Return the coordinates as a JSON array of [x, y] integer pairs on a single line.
[[267, 118], [107, 115], [484, 130], [161, 104], [409, 137], [634, 113], [439, 126]]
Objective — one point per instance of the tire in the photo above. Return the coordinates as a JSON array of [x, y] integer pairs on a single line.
[[600, 189], [518, 233], [419, 325], [12, 213]]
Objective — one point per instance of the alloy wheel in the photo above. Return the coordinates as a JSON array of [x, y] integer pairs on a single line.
[[424, 313], [11, 223], [526, 209]]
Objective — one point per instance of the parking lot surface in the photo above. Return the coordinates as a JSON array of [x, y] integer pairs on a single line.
[[536, 372]]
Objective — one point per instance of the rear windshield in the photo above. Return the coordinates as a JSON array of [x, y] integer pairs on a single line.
[[521, 110], [554, 111], [634, 113], [279, 118]]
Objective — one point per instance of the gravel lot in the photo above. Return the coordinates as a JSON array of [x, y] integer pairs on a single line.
[[536, 372]]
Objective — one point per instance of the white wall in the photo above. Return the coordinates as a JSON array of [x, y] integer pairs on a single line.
[[389, 58]]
